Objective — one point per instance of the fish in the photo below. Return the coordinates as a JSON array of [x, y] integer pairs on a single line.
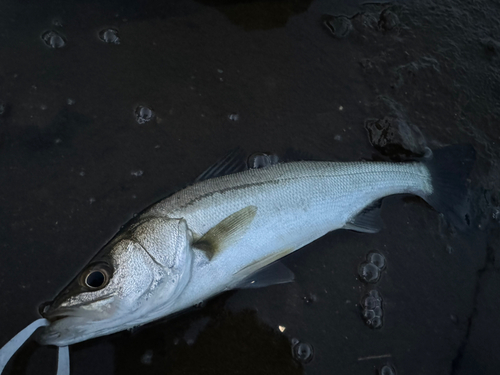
[[218, 233]]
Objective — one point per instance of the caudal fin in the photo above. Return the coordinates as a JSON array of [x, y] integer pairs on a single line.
[[450, 168]]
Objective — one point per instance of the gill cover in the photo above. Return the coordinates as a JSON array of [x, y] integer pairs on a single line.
[[165, 240], [168, 243]]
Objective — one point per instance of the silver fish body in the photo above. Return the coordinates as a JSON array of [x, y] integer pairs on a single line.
[[296, 203], [211, 236]]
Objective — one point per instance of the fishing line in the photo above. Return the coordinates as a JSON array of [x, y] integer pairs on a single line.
[[63, 361], [18, 340]]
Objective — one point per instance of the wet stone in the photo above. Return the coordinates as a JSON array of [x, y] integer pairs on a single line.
[[395, 137], [339, 26], [376, 322], [147, 357], [377, 259], [371, 270], [388, 20], [369, 20], [371, 303], [261, 160], [143, 114], [372, 312], [57, 22], [491, 47], [109, 36], [369, 273], [387, 370], [368, 314], [302, 351], [137, 173], [495, 215], [309, 299], [3, 108], [53, 39]]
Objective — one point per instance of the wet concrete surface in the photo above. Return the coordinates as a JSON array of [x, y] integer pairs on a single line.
[[318, 77]]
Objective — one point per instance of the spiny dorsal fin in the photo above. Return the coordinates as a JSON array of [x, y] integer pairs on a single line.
[[368, 220], [233, 162], [262, 160], [227, 232]]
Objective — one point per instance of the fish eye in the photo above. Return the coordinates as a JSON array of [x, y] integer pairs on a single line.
[[96, 277]]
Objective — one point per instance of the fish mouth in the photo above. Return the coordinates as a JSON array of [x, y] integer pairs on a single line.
[[60, 314], [54, 314], [69, 325]]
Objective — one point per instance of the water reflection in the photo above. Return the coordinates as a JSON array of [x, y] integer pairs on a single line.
[[217, 343]]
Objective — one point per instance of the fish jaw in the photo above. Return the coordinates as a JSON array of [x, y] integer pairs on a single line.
[[70, 330]]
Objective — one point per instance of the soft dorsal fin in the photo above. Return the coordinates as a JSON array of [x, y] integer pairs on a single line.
[[368, 220], [233, 162], [227, 232]]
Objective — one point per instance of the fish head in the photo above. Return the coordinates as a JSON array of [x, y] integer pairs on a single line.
[[133, 280]]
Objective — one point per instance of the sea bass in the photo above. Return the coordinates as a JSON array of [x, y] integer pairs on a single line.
[[215, 235]]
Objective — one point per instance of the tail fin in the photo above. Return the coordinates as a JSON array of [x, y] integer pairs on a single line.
[[450, 168]]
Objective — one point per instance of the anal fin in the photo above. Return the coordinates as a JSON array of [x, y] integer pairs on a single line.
[[368, 220]]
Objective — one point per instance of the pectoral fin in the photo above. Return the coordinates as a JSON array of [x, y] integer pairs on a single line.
[[227, 232]]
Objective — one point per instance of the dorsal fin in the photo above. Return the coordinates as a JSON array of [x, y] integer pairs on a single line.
[[262, 160], [233, 162]]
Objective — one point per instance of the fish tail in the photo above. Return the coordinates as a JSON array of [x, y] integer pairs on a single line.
[[450, 168]]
